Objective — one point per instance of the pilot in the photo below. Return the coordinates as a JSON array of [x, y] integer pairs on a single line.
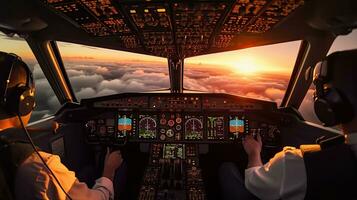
[[25, 173], [326, 170]]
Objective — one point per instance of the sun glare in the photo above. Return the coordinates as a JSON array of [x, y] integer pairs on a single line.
[[246, 66]]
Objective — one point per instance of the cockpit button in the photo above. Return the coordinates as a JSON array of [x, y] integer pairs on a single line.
[[178, 127], [162, 137], [178, 120], [162, 121], [171, 123], [169, 133]]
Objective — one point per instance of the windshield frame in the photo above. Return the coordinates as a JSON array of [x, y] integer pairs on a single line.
[[179, 81]]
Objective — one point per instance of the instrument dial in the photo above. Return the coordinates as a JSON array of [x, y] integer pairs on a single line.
[[193, 128], [171, 122], [169, 133], [147, 127]]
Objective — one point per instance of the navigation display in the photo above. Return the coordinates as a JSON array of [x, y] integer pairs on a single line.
[[193, 127], [125, 125], [147, 126], [237, 127], [215, 128]]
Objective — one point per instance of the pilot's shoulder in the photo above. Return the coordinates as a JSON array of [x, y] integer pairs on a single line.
[[289, 152], [47, 157], [292, 151], [34, 165], [34, 169]]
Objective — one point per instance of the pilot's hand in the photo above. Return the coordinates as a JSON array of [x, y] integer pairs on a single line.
[[253, 148], [112, 162]]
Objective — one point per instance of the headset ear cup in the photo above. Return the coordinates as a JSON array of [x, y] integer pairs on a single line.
[[27, 104], [333, 108], [21, 100], [324, 112]]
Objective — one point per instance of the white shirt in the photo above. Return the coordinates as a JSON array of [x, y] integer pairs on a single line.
[[33, 181], [284, 176]]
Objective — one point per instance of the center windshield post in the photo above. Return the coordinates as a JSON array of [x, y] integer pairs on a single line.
[[176, 74]]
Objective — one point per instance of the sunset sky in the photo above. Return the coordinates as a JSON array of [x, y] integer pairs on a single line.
[[260, 59], [259, 72]]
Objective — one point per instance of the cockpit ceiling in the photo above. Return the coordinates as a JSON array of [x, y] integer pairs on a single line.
[[174, 28]]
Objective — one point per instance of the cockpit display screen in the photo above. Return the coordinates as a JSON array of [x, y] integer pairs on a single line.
[[215, 127], [193, 127], [173, 151], [147, 126], [237, 127], [125, 125]]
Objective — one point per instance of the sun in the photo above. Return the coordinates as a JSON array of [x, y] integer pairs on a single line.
[[246, 66]]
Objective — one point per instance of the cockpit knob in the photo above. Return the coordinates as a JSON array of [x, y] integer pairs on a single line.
[[162, 137]]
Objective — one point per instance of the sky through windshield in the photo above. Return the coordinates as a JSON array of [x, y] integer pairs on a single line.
[[260, 72]]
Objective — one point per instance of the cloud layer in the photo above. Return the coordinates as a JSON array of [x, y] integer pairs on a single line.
[[46, 101], [91, 79], [260, 85]]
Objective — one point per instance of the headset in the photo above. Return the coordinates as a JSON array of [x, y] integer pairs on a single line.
[[330, 105], [21, 101]]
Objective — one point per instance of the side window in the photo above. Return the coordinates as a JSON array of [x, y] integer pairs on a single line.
[[46, 101], [341, 43]]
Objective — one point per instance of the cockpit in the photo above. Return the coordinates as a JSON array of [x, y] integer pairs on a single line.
[[175, 85]]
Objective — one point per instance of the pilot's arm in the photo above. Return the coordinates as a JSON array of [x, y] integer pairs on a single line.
[[33, 181], [283, 177]]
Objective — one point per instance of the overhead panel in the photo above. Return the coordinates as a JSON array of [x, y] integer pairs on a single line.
[[242, 12], [98, 19], [153, 22], [195, 21], [108, 15], [274, 13], [258, 16], [174, 28], [159, 43]]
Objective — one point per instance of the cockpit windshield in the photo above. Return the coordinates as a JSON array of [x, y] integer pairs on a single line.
[[97, 72], [260, 72]]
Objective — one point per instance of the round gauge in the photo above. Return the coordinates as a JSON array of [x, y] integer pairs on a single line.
[[178, 127], [178, 120], [163, 121], [147, 127], [171, 122], [169, 133], [162, 137], [193, 128], [147, 123]]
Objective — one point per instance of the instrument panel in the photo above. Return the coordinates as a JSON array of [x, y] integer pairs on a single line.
[[169, 118], [174, 129], [171, 127]]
